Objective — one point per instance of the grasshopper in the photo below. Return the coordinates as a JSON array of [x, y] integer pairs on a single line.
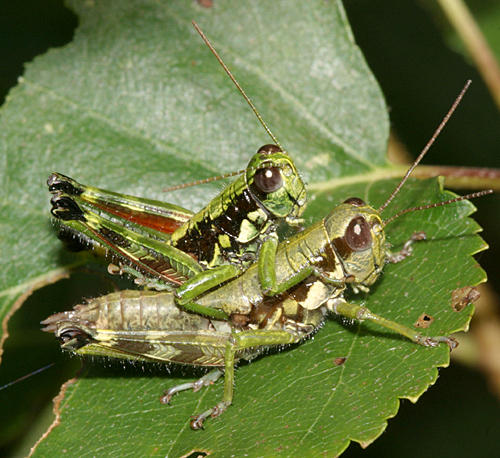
[[166, 246], [313, 270]]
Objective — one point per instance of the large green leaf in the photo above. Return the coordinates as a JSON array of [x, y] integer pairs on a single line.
[[135, 103]]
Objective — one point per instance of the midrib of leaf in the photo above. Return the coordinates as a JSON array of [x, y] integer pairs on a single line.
[[375, 174]]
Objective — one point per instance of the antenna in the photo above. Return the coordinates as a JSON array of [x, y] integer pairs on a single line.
[[240, 89], [203, 181], [438, 204], [426, 147], [24, 377]]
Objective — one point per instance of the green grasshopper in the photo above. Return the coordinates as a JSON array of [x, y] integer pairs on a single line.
[[313, 270], [166, 246]]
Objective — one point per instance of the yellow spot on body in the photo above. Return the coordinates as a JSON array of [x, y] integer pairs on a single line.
[[289, 307], [224, 241], [316, 296], [215, 261], [247, 231], [49, 128], [256, 216]]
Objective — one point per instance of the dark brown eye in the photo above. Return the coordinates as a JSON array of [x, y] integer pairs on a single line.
[[357, 235], [268, 179], [269, 149], [356, 201]]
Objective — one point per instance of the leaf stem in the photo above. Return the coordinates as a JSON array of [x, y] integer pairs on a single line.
[[462, 177], [475, 42]]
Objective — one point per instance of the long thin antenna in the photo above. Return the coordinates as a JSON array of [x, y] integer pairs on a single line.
[[203, 181], [438, 204], [233, 79], [427, 146], [24, 377]]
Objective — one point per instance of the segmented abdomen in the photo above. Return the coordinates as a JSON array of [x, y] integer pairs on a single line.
[[141, 325], [140, 311]]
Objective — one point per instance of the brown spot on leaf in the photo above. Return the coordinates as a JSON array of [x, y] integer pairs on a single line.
[[206, 3], [339, 361], [461, 297], [424, 321]]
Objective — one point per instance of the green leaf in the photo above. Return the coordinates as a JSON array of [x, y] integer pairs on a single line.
[[136, 103]]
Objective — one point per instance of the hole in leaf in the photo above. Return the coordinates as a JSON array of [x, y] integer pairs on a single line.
[[196, 454], [424, 321]]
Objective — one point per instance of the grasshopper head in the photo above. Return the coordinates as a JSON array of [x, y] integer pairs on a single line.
[[357, 237], [274, 181]]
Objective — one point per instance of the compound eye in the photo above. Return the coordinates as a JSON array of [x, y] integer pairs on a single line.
[[269, 149], [356, 201], [72, 333], [268, 179], [357, 235]]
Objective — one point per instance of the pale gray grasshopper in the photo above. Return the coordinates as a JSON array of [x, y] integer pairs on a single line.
[[313, 270], [166, 246]]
